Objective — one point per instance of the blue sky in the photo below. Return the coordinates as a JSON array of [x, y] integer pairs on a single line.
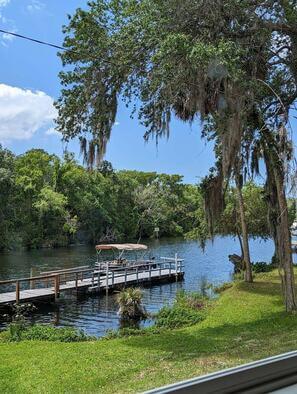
[[29, 83]]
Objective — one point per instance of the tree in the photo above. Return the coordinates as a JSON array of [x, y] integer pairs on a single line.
[[7, 198], [256, 212], [218, 60], [54, 220], [244, 228]]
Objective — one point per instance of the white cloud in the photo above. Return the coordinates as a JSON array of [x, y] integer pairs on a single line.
[[4, 3], [8, 37], [53, 131], [35, 5], [7, 24], [23, 112], [117, 123]]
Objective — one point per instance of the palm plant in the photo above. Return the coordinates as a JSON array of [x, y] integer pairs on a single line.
[[130, 303]]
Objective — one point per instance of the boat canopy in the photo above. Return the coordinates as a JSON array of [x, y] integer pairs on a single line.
[[121, 247]]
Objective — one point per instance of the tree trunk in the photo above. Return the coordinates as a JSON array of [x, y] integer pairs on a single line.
[[240, 242], [278, 216], [248, 276], [285, 248]]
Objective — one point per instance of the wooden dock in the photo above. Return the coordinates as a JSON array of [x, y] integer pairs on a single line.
[[49, 286]]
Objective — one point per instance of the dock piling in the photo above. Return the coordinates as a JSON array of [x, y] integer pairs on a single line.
[[107, 277], [98, 284], [17, 292], [57, 287]]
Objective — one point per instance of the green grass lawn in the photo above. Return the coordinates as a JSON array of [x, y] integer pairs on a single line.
[[247, 323]]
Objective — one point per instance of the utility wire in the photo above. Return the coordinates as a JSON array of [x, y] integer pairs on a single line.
[[53, 45], [33, 40]]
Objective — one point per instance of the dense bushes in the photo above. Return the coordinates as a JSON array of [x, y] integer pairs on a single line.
[[262, 266], [19, 332], [49, 202], [187, 309], [46, 201], [221, 288]]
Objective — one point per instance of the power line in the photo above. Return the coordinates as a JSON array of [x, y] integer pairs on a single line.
[[91, 56], [32, 39], [52, 45]]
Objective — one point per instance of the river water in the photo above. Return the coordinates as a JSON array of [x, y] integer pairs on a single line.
[[97, 314]]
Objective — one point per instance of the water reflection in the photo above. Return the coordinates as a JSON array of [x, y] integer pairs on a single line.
[[97, 314]]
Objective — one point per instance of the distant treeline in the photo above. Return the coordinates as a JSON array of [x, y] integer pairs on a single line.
[[46, 201]]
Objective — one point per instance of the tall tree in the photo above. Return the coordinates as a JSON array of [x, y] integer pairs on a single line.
[[244, 228], [215, 59]]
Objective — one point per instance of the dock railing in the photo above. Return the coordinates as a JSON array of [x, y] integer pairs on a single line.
[[52, 279], [173, 266], [94, 278]]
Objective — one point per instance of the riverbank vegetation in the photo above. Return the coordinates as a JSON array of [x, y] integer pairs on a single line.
[[246, 323], [46, 201]]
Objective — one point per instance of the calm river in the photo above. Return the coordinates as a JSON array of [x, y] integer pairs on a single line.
[[97, 314]]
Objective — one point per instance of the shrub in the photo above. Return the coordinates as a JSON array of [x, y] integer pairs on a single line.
[[238, 276], [16, 330], [188, 309], [130, 303], [222, 287], [18, 325], [175, 317], [261, 266], [45, 333], [22, 310]]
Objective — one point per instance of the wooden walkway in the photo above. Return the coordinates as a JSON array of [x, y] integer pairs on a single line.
[[96, 281]]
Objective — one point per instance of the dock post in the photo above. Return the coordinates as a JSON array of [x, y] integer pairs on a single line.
[[32, 284], [107, 277], [150, 272], [176, 262], [76, 281], [169, 269], [137, 274], [98, 284], [93, 279], [57, 287], [112, 278], [125, 276], [160, 271], [17, 292]]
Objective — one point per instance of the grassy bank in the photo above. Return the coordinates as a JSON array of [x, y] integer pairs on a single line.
[[246, 323]]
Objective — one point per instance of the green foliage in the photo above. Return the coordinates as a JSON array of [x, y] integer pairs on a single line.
[[7, 196], [224, 286], [256, 212], [20, 332], [130, 303], [188, 309], [16, 330], [49, 202], [262, 266]]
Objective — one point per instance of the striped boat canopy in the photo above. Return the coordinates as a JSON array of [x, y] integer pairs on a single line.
[[121, 247]]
